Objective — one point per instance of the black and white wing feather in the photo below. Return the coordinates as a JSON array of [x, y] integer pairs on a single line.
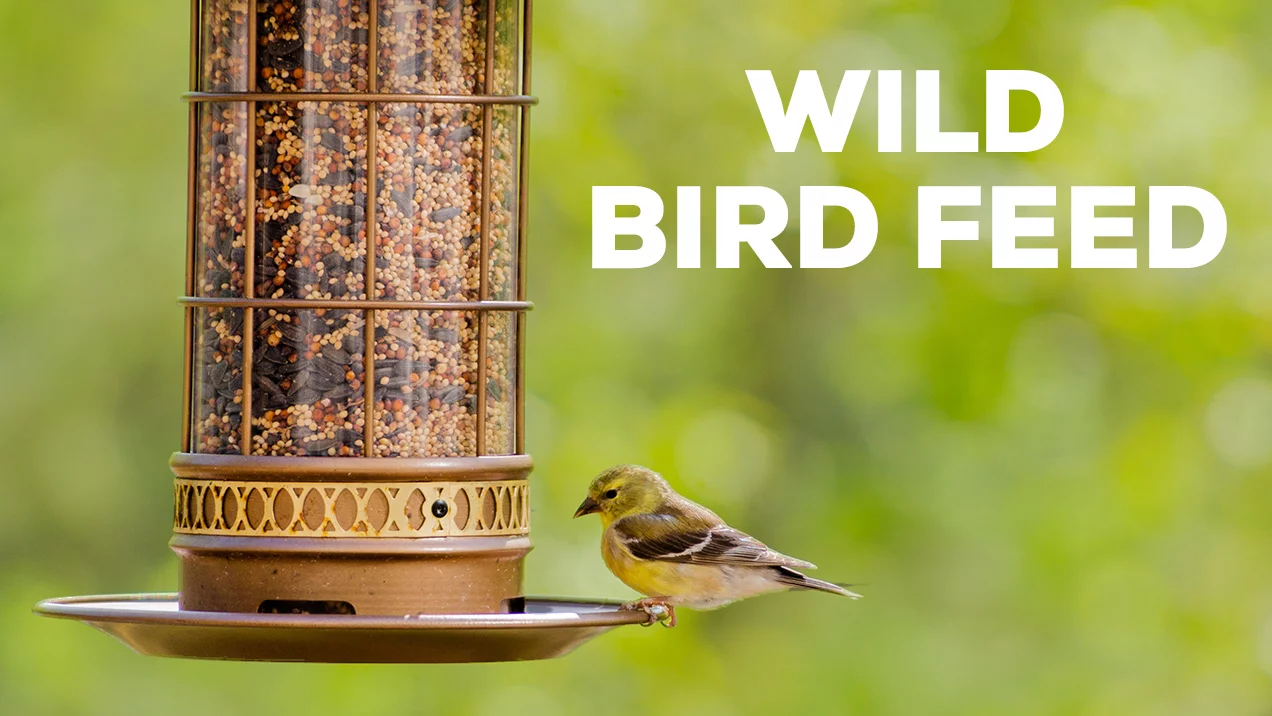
[[666, 537]]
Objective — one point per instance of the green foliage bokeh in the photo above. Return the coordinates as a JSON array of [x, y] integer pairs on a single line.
[[1052, 485]]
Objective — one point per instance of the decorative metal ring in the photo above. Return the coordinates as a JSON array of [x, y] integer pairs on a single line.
[[248, 468], [355, 305], [378, 97], [352, 509]]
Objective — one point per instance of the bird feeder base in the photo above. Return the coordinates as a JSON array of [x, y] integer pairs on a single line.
[[156, 625], [365, 536]]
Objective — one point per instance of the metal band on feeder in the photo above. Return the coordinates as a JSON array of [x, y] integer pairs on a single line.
[[352, 443]]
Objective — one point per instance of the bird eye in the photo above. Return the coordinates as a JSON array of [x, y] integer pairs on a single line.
[[611, 494]]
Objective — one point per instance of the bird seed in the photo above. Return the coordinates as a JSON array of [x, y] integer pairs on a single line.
[[311, 221]]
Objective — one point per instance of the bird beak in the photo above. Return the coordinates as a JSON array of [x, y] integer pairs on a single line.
[[588, 507]]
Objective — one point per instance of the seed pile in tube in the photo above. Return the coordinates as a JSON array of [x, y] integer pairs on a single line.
[[311, 223]]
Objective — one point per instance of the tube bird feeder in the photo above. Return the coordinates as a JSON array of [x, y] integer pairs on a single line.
[[353, 484]]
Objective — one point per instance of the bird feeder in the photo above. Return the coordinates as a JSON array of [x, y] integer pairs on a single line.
[[353, 484]]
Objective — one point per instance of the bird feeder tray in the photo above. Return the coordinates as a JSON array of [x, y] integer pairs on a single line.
[[156, 625], [353, 484]]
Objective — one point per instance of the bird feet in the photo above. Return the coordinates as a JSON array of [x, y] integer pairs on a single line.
[[658, 608]]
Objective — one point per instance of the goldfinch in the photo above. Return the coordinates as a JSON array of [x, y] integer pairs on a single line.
[[679, 553]]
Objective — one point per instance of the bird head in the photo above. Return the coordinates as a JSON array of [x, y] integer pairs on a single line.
[[624, 490]]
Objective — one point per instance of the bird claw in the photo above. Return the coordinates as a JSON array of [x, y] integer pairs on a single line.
[[662, 615], [659, 611]]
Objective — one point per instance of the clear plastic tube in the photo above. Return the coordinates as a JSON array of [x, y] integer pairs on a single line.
[[311, 218]]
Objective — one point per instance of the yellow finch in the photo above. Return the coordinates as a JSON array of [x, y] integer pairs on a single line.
[[679, 553]]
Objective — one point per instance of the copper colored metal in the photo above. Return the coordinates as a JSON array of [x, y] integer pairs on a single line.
[[373, 51], [523, 204], [368, 328], [187, 382], [192, 197], [355, 305], [368, 388], [195, 25], [228, 467], [152, 624], [386, 577], [372, 224], [249, 330], [360, 510], [249, 238], [483, 277], [381, 97]]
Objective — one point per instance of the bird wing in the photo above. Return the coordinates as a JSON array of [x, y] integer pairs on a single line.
[[672, 538]]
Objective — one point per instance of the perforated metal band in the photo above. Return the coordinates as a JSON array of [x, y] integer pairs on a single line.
[[361, 510]]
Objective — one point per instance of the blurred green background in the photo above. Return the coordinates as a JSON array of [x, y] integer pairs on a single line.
[[1053, 485]]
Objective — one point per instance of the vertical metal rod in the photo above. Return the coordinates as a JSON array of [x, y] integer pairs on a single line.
[[483, 279], [249, 232], [187, 369], [196, 53], [252, 70], [527, 36], [523, 207], [371, 230], [368, 387], [187, 379], [373, 46], [187, 382]]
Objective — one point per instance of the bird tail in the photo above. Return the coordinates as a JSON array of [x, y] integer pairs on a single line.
[[795, 580]]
